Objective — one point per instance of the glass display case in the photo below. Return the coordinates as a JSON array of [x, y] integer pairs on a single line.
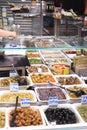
[[48, 74], [46, 53]]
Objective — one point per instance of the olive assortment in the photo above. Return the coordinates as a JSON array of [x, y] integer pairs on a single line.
[[80, 91], [71, 80], [26, 116], [60, 115], [21, 80]]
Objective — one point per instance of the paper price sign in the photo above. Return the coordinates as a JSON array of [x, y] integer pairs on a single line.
[[53, 101], [84, 99], [12, 74], [14, 87], [25, 102]]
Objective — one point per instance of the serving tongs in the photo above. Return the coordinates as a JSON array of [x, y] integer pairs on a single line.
[[77, 93]]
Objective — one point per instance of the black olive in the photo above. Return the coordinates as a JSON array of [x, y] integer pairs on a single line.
[[60, 115]]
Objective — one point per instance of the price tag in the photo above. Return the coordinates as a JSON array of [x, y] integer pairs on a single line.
[[84, 99], [12, 73], [53, 101], [14, 86], [25, 102], [39, 70], [53, 123]]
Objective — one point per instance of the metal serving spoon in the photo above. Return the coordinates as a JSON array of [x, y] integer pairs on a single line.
[[78, 93], [13, 122]]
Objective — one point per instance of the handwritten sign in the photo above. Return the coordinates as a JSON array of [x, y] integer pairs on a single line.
[[25, 102], [53, 101], [14, 87], [84, 99]]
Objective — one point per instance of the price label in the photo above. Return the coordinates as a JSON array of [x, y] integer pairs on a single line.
[[53, 123], [84, 99], [39, 70], [12, 73], [25, 102], [53, 101], [14, 86]]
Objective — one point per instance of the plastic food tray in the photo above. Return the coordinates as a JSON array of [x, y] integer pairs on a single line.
[[46, 91], [63, 60], [33, 54], [6, 83], [69, 106], [44, 42], [38, 68], [70, 53], [76, 105], [40, 76], [60, 69], [51, 53], [71, 96], [31, 126], [53, 56], [70, 75], [46, 52], [61, 43], [9, 97]]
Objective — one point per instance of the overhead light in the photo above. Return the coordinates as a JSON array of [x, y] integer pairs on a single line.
[[23, 0]]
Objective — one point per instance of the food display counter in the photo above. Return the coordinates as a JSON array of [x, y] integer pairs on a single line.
[[49, 75]]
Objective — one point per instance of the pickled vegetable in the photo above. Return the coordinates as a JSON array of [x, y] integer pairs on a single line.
[[42, 78], [35, 61], [68, 80], [60, 69]]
